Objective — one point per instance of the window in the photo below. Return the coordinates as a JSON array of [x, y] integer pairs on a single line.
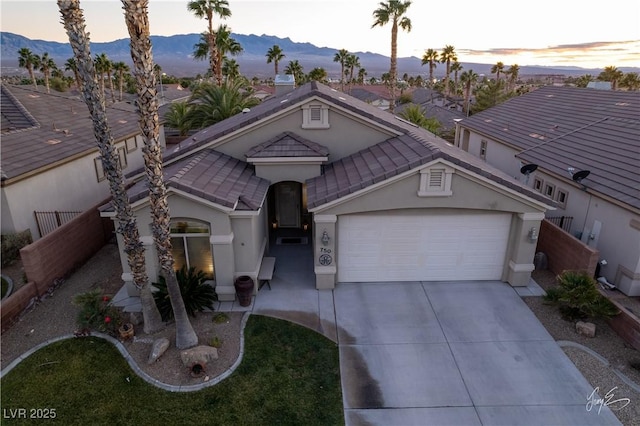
[[315, 116], [435, 181], [549, 190], [97, 162], [561, 198], [191, 246], [132, 144], [122, 158], [483, 149], [537, 184]]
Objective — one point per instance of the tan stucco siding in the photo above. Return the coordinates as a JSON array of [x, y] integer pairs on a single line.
[[403, 194], [71, 186], [344, 137]]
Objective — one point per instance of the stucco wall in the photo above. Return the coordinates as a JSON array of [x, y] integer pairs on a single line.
[[72, 186], [343, 138]]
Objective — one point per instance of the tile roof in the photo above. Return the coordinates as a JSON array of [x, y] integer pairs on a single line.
[[411, 147], [395, 156], [212, 176], [288, 144], [61, 129], [561, 127]]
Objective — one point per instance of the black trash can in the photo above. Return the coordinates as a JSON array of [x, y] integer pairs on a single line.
[[244, 289]]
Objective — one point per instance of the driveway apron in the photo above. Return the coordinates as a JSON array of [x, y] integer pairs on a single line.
[[453, 353]]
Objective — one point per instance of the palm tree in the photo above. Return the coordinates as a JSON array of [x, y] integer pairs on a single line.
[[295, 69], [611, 74], [47, 65], [318, 74], [225, 44], [178, 117], [447, 56], [497, 69], [416, 115], [211, 104], [631, 81], [230, 69], [430, 57], [72, 66], [120, 68], [468, 78], [137, 20], [362, 73], [393, 10], [74, 25], [28, 60], [513, 72], [352, 62], [275, 55], [101, 66], [584, 80], [206, 9], [341, 57], [456, 67]]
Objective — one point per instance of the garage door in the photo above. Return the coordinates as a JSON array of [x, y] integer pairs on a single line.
[[422, 247]]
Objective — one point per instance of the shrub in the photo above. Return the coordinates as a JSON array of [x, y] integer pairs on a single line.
[[11, 245], [97, 313], [578, 297], [196, 294]]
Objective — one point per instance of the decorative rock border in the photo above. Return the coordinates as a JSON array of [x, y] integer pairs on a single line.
[[620, 374], [9, 286], [134, 366]]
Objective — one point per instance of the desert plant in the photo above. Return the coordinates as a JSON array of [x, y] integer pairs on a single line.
[[97, 313], [577, 297], [215, 342], [220, 317], [196, 294], [11, 245]]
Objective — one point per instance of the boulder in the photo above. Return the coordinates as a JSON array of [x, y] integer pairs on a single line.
[[159, 347], [586, 329], [202, 355]]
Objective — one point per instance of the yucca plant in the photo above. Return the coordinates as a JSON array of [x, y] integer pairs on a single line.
[[196, 294], [578, 298]]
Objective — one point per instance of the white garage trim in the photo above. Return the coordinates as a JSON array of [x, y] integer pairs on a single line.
[[422, 246]]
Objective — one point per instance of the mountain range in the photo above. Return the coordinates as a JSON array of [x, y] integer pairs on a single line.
[[173, 54]]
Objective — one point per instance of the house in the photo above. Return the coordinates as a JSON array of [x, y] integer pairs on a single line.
[[50, 160], [372, 198], [585, 144]]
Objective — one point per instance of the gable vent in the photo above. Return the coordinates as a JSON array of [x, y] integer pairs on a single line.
[[435, 178], [315, 113]]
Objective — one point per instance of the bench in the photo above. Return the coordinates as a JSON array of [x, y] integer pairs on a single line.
[[266, 272]]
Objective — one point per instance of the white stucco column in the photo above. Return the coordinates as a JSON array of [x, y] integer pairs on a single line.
[[324, 249], [520, 261], [224, 263]]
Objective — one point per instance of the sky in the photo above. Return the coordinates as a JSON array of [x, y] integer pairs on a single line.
[[541, 32]]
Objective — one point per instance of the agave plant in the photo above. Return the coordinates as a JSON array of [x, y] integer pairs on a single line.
[[196, 294]]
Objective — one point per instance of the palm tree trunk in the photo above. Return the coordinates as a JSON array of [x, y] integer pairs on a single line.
[[33, 77], [113, 97], [46, 80], [394, 64], [120, 83], [73, 20], [138, 24]]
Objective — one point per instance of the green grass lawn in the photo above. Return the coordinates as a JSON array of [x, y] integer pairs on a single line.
[[289, 376]]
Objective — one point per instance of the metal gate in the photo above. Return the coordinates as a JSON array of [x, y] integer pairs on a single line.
[[50, 221]]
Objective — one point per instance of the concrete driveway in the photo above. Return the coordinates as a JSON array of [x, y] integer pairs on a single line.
[[459, 353]]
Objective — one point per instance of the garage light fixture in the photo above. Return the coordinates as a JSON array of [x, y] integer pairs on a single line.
[[325, 238], [533, 235]]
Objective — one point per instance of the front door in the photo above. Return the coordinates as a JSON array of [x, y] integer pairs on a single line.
[[288, 204]]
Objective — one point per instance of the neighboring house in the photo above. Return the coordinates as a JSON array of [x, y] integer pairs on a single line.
[[435, 106], [377, 198], [376, 95], [564, 131], [50, 160]]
